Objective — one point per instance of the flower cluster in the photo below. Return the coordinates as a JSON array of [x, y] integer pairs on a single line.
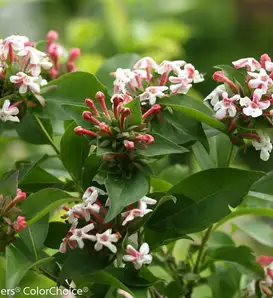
[[115, 135], [150, 81], [24, 69], [11, 219], [91, 212], [266, 285], [245, 101], [62, 61]]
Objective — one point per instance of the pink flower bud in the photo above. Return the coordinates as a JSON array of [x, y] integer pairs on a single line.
[[220, 77], [74, 54], [52, 36], [125, 112], [101, 98], [20, 195], [90, 103], [129, 145], [20, 223], [155, 109], [82, 131], [105, 128], [264, 260], [264, 58], [147, 139], [87, 116]]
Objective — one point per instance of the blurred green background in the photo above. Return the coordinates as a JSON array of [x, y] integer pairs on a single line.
[[203, 32]]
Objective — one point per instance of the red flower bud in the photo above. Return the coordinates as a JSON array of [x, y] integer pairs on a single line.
[[87, 116], [220, 77], [82, 131], [129, 145], [90, 103]]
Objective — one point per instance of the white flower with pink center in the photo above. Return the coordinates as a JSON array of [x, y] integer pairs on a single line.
[[9, 112], [106, 239], [170, 66], [192, 73], [152, 93], [123, 77], [14, 42], [140, 211], [260, 80], [32, 53], [226, 107], [255, 107], [215, 94], [182, 84], [138, 258], [79, 235], [263, 144], [250, 63], [146, 63], [26, 82]]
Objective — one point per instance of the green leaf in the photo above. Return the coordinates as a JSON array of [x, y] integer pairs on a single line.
[[162, 146], [101, 277], [156, 239], [75, 112], [264, 185], [30, 131], [56, 232], [17, 265], [131, 277], [37, 178], [110, 65], [74, 151], [34, 236], [123, 192], [90, 169], [179, 128], [42, 202], [9, 184], [259, 230], [241, 255], [202, 199], [224, 281], [203, 158], [194, 109], [77, 264], [71, 88], [218, 239]]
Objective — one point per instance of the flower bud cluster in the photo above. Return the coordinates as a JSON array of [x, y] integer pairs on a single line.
[[244, 101], [114, 134], [11, 219]]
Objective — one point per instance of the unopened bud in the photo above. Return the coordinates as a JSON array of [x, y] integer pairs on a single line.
[[129, 145], [52, 36]]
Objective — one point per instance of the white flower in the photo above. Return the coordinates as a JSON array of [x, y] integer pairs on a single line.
[[260, 80], [138, 258], [34, 55], [90, 195], [215, 94], [226, 107], [123, 77], [251, 64], [146, 62], [66, 241], [8, 113], [168, 66], [182, 84], [16, 42], [106, 239], [152, 93], [35, 69], [141, 211], [26, 82], [192, 73], [264, 144], [124, 293], [255, 107], [80, 234]]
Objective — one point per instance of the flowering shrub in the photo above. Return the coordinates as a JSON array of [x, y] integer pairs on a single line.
[[140, 170]]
